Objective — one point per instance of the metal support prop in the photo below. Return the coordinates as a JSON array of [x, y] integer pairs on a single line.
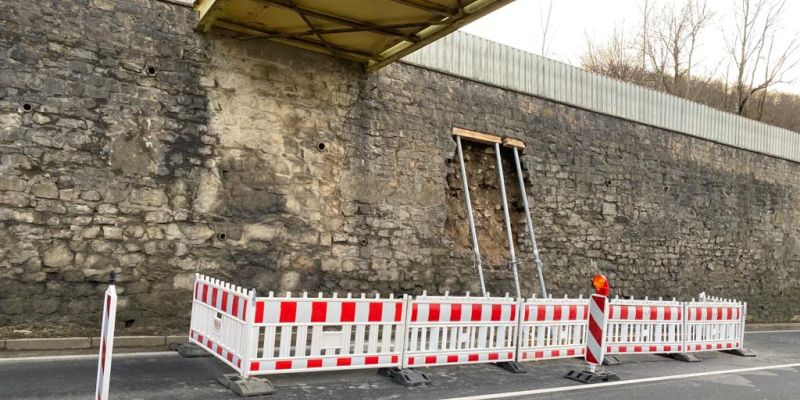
[[509, 234], [529, 222], [476, 253]]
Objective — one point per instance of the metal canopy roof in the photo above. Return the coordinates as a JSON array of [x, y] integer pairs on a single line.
[[375, 32]]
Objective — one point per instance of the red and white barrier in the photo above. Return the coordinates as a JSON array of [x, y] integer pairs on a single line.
[[714, 325], [644, 326], [270, 335], [318, 334], [460, 330], [106, 342], [598, 321], [219, 313], [553, 328]]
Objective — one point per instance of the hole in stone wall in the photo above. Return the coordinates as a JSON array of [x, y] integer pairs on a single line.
[[221, 235], [321, 146], [26, 107], [150, 70], [608, 183], [363, 242], [129, 322], [666, 188]]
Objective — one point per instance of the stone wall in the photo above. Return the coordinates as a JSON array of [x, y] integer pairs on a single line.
[[282, 169]]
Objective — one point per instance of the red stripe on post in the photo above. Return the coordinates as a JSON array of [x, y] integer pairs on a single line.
[[513, 312], [573, 313], [538, 354], [570, 352], [235, 307], [288, 311], [375, 312], [284, 364], [494, 356], [319, 311], [371, 360], [473, 357], [394, 359], [595, 331], [455, 312], [653, 313], [244, 310], [668, 313], [414, 312], [255, 366], [230, 357], [639, 310], [497, 310], [398, 312], [214, 297], [196, 290], [430, 360], [205, 294], [527, 316], [343, 362], [452, 359], [314, 363], [259, 312], [225, 301], [348, 311], [623, 312], [555, 353], [433, 312]]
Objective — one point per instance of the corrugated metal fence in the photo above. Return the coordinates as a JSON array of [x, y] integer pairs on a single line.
[[485, 61]]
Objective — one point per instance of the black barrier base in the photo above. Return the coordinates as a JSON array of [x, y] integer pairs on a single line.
[[405, 376], [511, 366], [592, 377], [247, 387], [740, 352], [189, 350], [611, 361], [685, 357]]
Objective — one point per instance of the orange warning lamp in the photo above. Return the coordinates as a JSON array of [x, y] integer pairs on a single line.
[[600, 283]]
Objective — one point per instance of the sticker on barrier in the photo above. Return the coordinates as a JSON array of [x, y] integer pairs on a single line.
[[644, 326], [296, 334], [460, 330], [553, 328]]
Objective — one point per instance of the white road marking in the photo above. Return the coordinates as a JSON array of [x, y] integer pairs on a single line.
[[779, 331], [85, 357], [618, 383]]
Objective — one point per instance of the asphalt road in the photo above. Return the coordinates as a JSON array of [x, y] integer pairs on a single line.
[[771, 375]]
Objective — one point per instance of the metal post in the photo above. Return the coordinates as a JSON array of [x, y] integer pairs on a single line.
[[476, 253], [251, 335], [509, 234], [529, 222]]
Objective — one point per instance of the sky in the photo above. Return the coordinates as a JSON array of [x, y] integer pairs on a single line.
[[519, 24]]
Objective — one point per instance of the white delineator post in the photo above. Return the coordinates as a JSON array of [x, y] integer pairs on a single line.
[[595, 340], [106, 341]]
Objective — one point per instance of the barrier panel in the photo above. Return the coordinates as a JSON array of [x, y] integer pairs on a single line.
[[553, 328], [219, 312], [270, 335], [302, 334], [460, 330], [715, 325], [645, 326]]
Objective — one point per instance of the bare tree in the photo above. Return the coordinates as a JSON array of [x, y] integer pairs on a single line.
[[758, 61], [668, 40], [615, 58], [544, 23]]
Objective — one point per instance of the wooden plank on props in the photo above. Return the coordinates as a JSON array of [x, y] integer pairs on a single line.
[[477, 136], [509, 142]]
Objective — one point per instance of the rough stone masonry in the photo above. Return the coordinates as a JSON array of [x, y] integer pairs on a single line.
[[131, 143]]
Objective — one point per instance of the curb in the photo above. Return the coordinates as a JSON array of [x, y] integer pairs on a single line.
[[80, 343], [771, 327]]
